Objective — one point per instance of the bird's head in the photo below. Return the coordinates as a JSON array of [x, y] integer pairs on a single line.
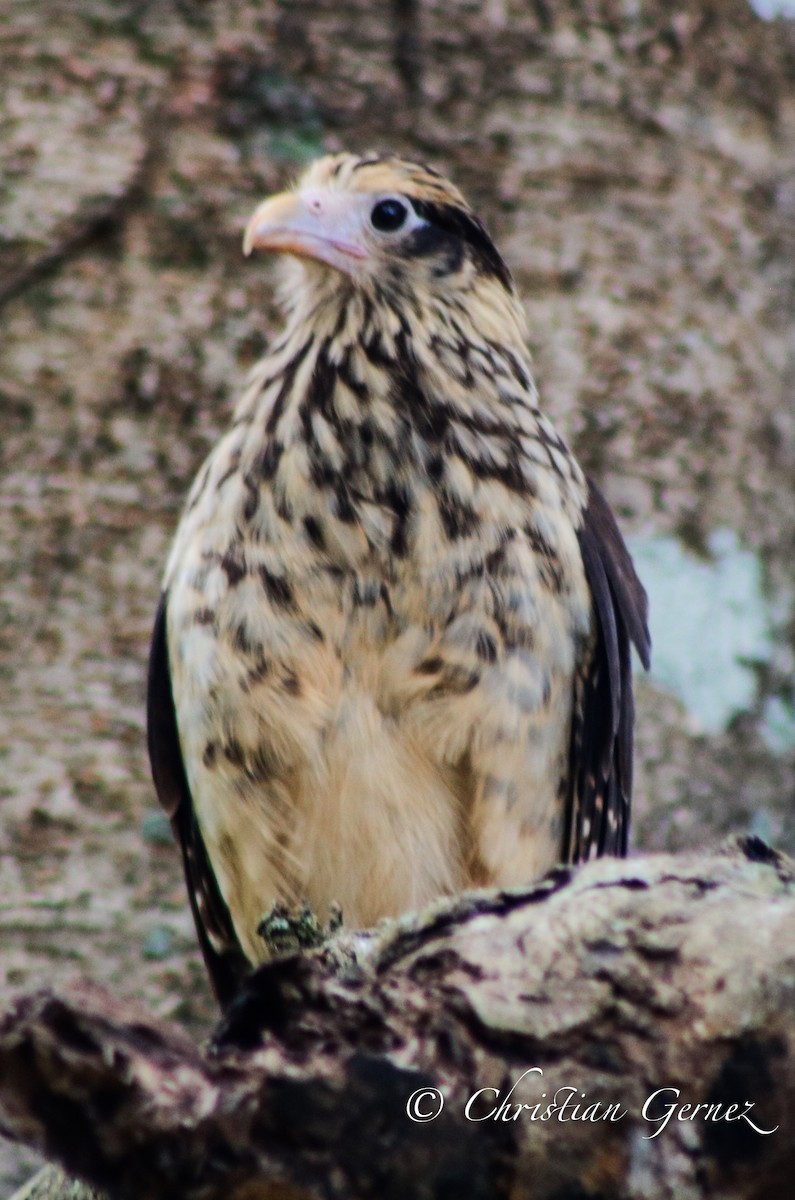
[[384, 226]]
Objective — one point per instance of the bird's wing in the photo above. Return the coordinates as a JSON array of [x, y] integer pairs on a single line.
[[226, 962], [600, 777]]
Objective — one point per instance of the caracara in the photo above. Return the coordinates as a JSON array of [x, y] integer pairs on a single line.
[[392, 655]]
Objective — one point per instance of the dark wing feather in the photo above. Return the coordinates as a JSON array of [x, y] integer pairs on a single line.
[[600, 768], [226, 962]]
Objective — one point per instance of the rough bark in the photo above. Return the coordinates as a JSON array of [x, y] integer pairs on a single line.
[[613, 981]]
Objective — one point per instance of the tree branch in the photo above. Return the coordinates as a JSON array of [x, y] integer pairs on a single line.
[[585, 994]]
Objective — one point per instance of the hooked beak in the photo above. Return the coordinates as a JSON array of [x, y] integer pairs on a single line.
[[317, 225]]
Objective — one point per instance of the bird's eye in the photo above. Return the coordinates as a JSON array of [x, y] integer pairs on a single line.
[[388, 215]]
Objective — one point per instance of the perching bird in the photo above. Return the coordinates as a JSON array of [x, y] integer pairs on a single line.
[[392, 656]]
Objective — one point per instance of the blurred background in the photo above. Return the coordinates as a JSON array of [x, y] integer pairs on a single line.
[[635, 161]]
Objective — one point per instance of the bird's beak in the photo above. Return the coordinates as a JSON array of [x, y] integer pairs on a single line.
[[318, 225]]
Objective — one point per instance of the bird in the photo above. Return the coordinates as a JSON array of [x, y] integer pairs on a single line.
[[392, 655]]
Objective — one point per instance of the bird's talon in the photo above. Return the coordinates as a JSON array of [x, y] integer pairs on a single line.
[[335, 920], [290, 931]]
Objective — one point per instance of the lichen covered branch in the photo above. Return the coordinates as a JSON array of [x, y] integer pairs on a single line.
[[541, 1021]]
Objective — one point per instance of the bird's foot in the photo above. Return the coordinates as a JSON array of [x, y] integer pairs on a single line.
[[288, 930]]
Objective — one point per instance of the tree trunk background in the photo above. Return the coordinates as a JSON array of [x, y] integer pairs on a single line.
[[636, 163], [614, 981]]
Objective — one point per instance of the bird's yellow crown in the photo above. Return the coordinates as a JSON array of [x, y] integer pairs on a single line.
[[375, 173]]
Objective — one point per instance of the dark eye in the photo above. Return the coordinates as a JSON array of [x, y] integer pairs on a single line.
[[388, 215]]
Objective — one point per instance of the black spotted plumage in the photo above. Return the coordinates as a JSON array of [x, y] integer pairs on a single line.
[[392, 658]]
